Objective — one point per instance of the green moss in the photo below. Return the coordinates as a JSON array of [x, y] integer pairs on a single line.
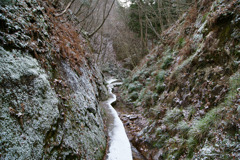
[[183, 127], [7, 2], [167, 61], [201, 128], [225, 34], [136, 86], [133, 96], [173, 116], [160, 88], [160, 76], [181, 42], [204, 18], [163, 136], [142, 93], [234, 83]]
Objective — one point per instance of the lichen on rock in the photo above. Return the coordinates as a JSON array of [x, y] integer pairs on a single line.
[[28, 106]]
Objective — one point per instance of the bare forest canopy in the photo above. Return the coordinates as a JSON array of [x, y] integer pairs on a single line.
[[88, 15], [133, 30], [150, 17]]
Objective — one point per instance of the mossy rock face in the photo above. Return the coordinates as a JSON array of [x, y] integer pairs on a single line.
[[39, 119], [7, 2], [28, 106]]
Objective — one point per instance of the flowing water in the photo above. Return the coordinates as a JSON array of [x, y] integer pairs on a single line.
[[119, 145]]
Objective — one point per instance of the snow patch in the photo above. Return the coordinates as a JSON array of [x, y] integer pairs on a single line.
[[119, 145]]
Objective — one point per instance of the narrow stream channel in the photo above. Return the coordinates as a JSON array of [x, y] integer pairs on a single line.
[[119, 145]]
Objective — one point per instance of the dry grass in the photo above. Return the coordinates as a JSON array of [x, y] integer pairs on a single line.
[[192, 16], [186, 51]]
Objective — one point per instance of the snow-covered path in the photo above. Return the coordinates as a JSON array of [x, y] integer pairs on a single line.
[[119, 145]]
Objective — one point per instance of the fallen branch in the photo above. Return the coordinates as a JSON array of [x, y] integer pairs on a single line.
[[69, 4]]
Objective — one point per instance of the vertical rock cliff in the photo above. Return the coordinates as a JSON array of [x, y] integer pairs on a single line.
[[49, 87]]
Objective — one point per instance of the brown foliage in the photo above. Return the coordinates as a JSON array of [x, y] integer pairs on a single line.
[[187, 49], [67, 42], [192, 16], [223, 14]]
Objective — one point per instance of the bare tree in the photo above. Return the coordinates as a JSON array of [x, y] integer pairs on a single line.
[[91, 14]]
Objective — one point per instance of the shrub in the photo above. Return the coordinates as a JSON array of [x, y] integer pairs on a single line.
[[148, 98], [200, 129], [136, 76], [136, 86], [155, 97], [163, 136], [181, 42], [142, 93], [202, 126], [133, 96], [160, 76], [167, 61], [183, 127], [173, 115], [160, 88]]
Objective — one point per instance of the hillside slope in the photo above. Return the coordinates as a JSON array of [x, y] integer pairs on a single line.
[[49, 87], [188, 88]]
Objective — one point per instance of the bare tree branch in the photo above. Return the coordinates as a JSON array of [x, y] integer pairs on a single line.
[[103, 21], [68, 6]]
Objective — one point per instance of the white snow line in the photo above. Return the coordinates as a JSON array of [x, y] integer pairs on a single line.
[[119, 145]]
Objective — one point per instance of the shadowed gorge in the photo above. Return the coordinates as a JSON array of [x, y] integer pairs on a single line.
[[178, 61]]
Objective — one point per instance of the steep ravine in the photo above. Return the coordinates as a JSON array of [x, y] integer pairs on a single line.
[[184, 98]]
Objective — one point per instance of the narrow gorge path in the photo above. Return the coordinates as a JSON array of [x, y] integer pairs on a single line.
[[119, 145]]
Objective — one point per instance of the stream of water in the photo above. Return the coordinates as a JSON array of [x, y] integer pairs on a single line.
[[119, 145]]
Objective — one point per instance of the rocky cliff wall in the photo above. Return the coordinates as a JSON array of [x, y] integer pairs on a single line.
[[188, 88], [49, 87]]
